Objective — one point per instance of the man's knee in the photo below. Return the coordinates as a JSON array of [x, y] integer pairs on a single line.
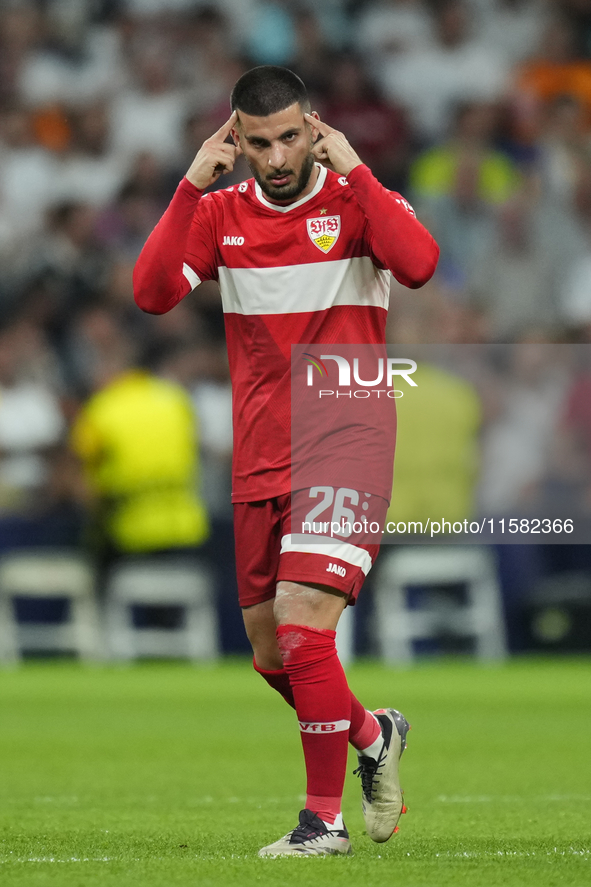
[[268, 657], [314, 606], [259, 622]]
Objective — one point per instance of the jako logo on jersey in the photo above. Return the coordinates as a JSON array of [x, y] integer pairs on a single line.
[[324, 232], [233, 241], [334, 568], [331, 727]]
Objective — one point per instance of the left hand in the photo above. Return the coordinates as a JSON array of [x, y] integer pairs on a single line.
[[333, 149]]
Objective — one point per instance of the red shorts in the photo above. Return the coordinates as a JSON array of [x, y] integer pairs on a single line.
[[267, 554]]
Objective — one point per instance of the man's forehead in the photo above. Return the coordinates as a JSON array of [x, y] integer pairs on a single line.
[[273, 125]]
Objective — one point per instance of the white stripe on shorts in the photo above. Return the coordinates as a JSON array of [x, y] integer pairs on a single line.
[[326, 727], [344, 551]]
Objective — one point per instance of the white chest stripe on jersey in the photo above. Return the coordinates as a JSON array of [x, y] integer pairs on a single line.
[[294, 289]]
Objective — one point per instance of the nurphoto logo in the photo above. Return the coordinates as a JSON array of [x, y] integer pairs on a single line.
[[385, 372]]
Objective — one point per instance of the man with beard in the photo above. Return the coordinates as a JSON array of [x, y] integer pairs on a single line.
[[303, 254]]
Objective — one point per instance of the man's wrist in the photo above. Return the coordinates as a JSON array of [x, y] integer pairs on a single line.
[[351, 168], [361, 167], [192, 187]]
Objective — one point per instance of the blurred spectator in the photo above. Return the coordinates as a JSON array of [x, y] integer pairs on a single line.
[[457, 185], [204, 46], [578, 14], [148, 114], [518, 438], [556, 71], [393, 27], [570, 478], [20, 25], [74, 60], [513, 27], [203, 371], [88, 171], [136, 438], [31, 420], [429, 81], [574, 292], [335, 21], [271, 37], [435, 172], [95, 337], [313, 54], [28, 175], [67, 255], [378, 131], [436, 482], [441, 315], [564, 150], [211, 393], [576, 295], [141, 8], [124, 225], [515, 279]]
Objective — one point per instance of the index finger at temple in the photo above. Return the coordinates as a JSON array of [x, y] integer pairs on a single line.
[[225, 130], [323, 128]]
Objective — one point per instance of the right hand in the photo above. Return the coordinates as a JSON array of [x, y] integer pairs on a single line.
[[216, 156]]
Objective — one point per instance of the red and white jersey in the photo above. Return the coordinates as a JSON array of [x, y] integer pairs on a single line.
[[315, 271]]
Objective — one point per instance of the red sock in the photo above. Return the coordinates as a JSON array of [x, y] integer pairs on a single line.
[[368, 730], [364, 729], [323, 706]]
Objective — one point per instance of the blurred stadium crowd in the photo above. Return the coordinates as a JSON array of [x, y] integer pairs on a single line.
[[479, 111]]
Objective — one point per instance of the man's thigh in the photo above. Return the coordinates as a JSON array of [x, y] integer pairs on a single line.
[[257, 533], [268, 553], [330, 543]]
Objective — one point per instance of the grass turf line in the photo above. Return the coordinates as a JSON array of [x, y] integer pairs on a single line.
[[165, 774]]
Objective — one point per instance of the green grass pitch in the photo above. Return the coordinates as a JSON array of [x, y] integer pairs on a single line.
[[168, 774]]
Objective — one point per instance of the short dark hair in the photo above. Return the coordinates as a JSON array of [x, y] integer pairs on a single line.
[[268, 89]]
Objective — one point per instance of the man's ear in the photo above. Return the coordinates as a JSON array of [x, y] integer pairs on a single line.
[[235, 136], [313, 132]]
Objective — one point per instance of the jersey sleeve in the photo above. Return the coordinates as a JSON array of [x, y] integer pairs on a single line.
[[178, 255], [397, 240]]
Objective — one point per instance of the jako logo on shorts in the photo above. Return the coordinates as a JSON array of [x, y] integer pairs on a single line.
[[335, 568]]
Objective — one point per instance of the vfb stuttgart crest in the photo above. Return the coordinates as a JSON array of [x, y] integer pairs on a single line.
[[324, 232]]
